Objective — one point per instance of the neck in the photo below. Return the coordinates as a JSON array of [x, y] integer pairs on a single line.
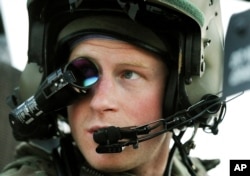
[[157, 165]]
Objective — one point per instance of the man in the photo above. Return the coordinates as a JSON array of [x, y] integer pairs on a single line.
[[131, 75], [124, 75]]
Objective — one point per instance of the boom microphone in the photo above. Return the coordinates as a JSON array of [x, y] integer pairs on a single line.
[[107, 135], [113, 139]]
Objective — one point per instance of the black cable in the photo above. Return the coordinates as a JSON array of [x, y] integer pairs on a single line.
[[186, 160], [170, 160]]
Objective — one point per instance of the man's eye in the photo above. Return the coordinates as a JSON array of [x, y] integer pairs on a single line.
[[130, 75]]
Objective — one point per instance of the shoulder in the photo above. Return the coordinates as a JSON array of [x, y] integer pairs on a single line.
[[201, 166], [30, 161]]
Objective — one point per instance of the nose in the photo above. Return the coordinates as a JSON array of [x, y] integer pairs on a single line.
[[104, 96]]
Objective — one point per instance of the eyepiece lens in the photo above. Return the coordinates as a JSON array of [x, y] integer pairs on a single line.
[[85, 72]]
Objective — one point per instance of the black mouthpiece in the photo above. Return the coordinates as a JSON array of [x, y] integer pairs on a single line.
[[108, 135]]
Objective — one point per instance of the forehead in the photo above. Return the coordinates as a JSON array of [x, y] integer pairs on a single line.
[[101, 47]]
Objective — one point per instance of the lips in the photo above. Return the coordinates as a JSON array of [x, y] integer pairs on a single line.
[[96, 128]]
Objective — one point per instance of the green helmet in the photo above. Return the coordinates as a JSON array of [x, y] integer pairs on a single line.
[[186, 33]]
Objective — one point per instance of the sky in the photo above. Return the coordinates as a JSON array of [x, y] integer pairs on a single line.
[[232, 142]]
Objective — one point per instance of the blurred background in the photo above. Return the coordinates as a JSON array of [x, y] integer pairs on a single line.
[[232, 142]]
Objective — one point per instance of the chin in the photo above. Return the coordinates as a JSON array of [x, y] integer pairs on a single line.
[[107, 163], [113, 162]]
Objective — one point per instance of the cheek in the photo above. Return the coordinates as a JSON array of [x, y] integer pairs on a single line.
[[75, 118], [77, 110], [78, 124], [70, 111], [146, 105], [72, 118]]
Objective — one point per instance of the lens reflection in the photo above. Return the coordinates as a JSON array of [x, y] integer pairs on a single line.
[[85, 72], [90, 81]]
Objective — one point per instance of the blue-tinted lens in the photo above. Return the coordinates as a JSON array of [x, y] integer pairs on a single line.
[[84, 71]]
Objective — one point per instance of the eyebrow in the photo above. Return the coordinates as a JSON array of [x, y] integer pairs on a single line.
[[133, 64]]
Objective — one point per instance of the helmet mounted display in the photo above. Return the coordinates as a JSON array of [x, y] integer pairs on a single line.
[[192, 26]]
